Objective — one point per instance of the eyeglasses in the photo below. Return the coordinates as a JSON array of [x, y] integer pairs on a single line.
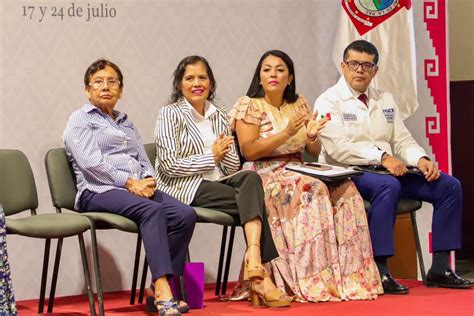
[[112, 83], [354, 65]]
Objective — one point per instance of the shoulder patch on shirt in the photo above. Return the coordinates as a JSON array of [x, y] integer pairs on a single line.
[[349, 117], [389, 113]]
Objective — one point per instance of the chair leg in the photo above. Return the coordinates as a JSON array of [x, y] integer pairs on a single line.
[[44, 275], [221, 260], [182, 286], [141, 294], [229, 257], [87, 275], [188, 256], [133, 290], [54, 281], [95, 257], [418, 247]]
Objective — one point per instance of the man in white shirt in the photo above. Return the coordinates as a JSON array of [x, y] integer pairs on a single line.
[[364, 126]]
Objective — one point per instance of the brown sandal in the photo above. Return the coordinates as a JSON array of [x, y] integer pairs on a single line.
[[253, 271], [271, 298]]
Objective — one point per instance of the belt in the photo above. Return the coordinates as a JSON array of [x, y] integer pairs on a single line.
[[287, 157]]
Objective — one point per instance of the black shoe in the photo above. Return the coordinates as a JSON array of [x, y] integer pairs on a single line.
[[449, 279], [390, 286]]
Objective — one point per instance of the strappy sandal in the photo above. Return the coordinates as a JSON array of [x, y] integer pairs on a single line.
[[163, 308], [271, 298], [183, 307], [241, 292], [252, 270]]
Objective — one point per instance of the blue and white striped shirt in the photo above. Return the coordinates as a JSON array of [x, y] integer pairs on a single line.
[[104, 152]]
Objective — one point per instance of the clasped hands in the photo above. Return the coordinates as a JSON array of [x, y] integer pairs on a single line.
[[313, 126], [221, 146], [141, 187], [398, 168]]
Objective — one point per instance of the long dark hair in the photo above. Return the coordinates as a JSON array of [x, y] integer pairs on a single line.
[[256, 90], [178, 75]]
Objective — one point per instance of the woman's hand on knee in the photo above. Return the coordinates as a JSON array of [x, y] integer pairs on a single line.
[[141, 187]]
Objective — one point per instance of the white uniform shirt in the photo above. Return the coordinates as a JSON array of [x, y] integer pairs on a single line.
[[208, 138], [359, 134]]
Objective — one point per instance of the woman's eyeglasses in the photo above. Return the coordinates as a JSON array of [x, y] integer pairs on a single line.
[[112, 83]]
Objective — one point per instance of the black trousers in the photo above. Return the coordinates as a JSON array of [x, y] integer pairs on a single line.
[[242, 191]]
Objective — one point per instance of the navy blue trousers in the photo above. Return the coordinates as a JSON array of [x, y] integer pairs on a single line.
[[166, 225], [384, 193]]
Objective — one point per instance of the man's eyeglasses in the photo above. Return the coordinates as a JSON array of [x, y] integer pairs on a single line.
[[354, 65], [112, 83]]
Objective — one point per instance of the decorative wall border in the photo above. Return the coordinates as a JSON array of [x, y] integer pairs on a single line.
[[436, 76]]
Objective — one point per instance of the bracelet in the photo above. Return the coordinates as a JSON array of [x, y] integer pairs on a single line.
[[312, 139]]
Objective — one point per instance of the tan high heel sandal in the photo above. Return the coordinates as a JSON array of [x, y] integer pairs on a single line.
[[271, 298], [253, 271]]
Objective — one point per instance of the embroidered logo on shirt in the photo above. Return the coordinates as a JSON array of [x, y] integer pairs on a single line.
[[389, 113], [349, 117]]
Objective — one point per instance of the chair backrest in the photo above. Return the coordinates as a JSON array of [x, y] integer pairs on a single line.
[[150, 149], [237, 148], [61, 178], [17, 183]]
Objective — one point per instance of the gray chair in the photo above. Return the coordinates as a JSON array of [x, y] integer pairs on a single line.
[[410, 206], [17, 194], [204, 215], [62, 185]]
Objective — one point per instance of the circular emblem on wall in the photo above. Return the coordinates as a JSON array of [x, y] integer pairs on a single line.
[[376, 7]]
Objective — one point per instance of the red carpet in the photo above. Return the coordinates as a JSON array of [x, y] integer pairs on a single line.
[[420, 301]]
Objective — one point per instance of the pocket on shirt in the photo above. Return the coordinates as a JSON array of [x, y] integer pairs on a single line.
[[354, 128], [108, 137]]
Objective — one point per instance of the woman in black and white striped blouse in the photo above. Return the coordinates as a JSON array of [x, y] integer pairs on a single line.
[[197, 163]]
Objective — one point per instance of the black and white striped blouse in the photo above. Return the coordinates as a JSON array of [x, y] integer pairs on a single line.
[[181, 161]]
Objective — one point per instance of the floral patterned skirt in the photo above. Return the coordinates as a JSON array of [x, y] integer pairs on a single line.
[[321, 234], [7, 299]]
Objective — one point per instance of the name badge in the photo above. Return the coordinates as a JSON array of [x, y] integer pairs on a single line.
[[389, 114], [349, 117]]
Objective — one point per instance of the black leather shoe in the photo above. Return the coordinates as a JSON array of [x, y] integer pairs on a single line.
[[390, 286], [449, 279]]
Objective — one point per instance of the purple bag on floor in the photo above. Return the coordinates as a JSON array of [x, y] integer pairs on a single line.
[[193, 278]]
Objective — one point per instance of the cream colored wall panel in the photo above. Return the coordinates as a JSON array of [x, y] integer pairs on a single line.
[[461, 39]]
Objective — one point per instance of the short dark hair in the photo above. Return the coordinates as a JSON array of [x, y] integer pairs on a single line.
[[256, 90], [100, 64], [178, 75], [362, 46]]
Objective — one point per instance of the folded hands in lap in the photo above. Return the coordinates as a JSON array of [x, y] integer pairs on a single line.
[[141, 187]]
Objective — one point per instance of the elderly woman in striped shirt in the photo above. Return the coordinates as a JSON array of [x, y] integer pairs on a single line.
[[114, 175], [197, 163]]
